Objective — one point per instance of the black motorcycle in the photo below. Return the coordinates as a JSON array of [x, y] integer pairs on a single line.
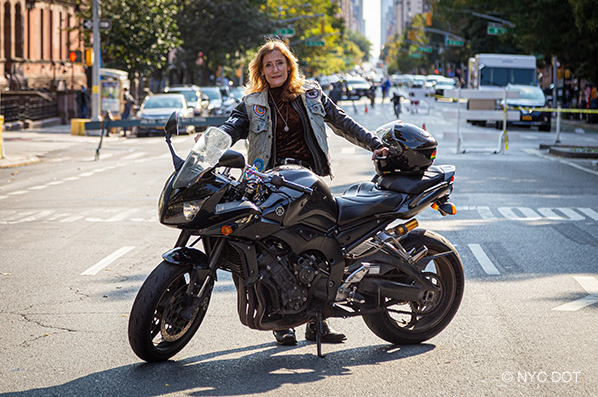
[[296, 252]]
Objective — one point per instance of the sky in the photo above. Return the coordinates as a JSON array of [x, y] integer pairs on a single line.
[[371, 14]]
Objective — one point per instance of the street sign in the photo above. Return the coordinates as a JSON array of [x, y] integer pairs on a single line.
[[314, 43], [454, 43], [424, 49], [415, 55], [497, 30], [285, 32], [105, 24]]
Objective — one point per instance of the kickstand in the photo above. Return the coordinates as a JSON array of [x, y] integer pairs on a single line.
[[319, 327]]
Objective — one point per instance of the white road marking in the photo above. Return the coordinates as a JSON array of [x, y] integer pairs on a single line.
[[92, 271], [17, 192], [133, 156], [485, 212], [590, 284], [38, 187], [590, 212], [483, 259]]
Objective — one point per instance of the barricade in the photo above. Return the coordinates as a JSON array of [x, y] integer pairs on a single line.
[[418, 96], [483, 112], [503, 115]]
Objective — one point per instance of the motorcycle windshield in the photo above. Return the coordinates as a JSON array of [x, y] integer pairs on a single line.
[[205, 155]]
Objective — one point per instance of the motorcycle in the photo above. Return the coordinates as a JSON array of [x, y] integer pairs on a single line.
[[295, 251]]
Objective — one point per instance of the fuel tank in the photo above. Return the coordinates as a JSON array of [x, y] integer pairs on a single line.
[[318, 210]]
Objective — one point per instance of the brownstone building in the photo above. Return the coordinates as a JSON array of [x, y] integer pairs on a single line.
[[36, 37]]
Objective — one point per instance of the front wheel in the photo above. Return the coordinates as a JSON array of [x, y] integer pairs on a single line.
[[163, 319], [407, 323]]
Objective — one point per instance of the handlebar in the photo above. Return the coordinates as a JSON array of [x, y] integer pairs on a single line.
[[279, 181]]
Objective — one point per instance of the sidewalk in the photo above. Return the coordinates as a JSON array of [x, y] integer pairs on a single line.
[[31, 145]]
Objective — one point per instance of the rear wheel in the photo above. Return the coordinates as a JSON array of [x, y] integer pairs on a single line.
[[163, 319], [414, 322]]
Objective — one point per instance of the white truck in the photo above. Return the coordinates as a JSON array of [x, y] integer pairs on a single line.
[[498, 70], [494, 72]]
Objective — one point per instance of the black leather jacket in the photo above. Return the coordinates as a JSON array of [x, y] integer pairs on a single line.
[[238, 126]]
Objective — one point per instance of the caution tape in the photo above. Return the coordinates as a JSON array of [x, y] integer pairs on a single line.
[[560, 110]]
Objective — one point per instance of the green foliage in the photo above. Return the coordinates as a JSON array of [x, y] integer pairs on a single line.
[[143, 33], [545, 28], [222, 30]]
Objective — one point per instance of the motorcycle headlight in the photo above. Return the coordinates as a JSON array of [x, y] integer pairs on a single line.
[[191, 208]]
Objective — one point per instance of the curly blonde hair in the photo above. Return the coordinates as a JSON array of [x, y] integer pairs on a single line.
[[257, 81]]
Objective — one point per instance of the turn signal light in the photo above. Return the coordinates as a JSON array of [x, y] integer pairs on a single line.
[[446, 208], [226, 230]]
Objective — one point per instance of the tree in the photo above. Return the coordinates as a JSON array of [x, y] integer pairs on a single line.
[[222, 30], [143, 32]]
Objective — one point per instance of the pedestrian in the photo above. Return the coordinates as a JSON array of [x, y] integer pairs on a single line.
[[128, 102], [336, 93], [385, 88], [83, 102], [372, 95], [283, 118], [593, 104]]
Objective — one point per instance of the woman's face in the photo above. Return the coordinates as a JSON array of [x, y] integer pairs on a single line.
[[275, 68]]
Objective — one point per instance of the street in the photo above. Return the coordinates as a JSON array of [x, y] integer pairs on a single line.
[[80, 236]]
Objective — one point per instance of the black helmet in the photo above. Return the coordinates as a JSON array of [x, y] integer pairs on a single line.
[[411, 149]]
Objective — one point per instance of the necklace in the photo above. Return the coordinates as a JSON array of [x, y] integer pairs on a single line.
[[286, 126]]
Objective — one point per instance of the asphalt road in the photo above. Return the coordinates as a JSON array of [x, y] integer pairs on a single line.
[[80, 236]]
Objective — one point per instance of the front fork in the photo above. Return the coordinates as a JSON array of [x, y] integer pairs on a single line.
[[201, 268]]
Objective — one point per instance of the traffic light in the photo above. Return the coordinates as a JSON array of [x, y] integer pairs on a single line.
[[411, 34], [428, 19], [75, 56]]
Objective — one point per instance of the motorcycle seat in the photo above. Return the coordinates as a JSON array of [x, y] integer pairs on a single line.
[[412, 184], [363, 200]]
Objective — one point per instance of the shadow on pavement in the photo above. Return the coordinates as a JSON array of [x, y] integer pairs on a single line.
[[259, 370]]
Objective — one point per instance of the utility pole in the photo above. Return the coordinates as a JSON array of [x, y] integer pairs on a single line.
[[95, 69]]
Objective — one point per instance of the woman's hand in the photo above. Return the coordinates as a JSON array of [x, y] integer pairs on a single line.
[[380, 152]]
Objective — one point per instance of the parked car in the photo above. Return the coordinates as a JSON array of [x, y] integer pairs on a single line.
[[355, 87], [155, 111], [216, 106], [228, 101], [444, 83], [237, 93], [193, 96], [530, 97]]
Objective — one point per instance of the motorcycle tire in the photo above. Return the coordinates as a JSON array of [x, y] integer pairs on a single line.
[[423, 322], [156, 329]]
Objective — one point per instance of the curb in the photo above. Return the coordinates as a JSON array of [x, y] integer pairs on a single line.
[[575, 152], [8, 162]]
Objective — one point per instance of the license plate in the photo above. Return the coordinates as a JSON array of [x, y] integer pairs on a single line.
[[526, 118]]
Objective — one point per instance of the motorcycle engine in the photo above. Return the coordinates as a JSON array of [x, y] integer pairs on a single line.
[[288, 277]]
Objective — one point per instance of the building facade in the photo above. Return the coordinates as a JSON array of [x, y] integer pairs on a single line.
[[36, 37], [352, 12]]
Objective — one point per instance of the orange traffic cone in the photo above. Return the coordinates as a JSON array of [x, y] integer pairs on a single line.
[[366, 107], [424, 127]]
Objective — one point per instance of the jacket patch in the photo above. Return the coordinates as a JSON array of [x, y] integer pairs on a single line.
[[311, 94], [259, 164], [259, 110]]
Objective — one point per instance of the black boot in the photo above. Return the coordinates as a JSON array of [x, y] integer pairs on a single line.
[[285, 337], [329, 335]]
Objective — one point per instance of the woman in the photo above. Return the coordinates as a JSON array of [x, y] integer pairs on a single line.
[[283, 118]]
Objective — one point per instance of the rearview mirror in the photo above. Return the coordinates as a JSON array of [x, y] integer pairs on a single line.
[[232, 159], [172, 126]]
